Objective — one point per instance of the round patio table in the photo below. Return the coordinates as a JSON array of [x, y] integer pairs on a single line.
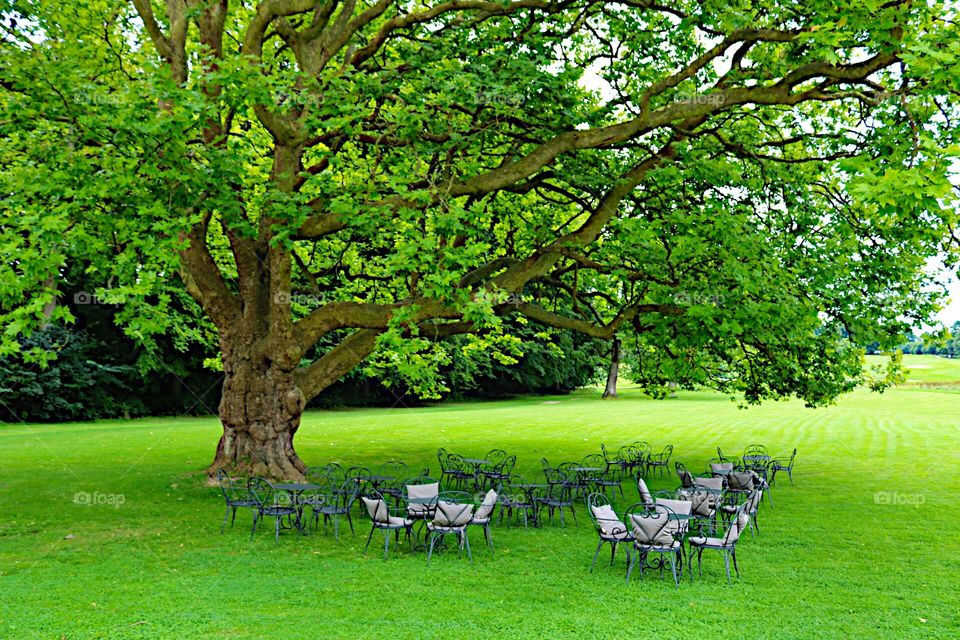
[[296, 489]]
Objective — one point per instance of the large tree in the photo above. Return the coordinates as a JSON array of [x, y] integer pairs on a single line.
[[749, 189]]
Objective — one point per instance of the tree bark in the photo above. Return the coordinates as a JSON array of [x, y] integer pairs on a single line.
[[260, 410], [611, 389]]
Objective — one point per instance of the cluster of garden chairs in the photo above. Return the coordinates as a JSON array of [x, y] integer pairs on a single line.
[[394, 500], [707, 512], [477, 473]]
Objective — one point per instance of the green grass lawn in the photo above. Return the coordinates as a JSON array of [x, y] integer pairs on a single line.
[[833, 560]]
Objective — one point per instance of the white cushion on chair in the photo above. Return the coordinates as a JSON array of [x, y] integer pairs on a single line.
[[486, 507], [376, 509], [645, 496], [608, 521], [451, 514]]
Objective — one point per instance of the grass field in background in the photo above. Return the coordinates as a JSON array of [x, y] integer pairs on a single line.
[[864, 545]]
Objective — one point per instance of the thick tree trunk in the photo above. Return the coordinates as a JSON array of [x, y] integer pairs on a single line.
[[260, 410], [611, 389]]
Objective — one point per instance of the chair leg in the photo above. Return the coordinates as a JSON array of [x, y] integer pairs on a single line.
[[790, 475], [256, 519], [466, 541], [336, 527], [599, 544], [350, 522], [613, 552], [735, 567], [369, 537], [673, 567], [630, 561], [433, 540], [276, 526], [488, 535], [386, 542], [700, 561], [225, 514], [726, 564]]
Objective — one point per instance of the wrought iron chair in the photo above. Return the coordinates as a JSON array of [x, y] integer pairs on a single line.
[[661, 460], [336, 471], [604, 479], [706, 498], [396, 472], [655, 531], [718, 467], [483, 516], [495, 475], [558, 495], [726, 544], [613, 464], [493, 457], [630, 458], [610, 528], [337, 502], [724, 458], [457, 470], [386, 519], [749, 506], [420, 496], [236, 497], [645, 451], [270, 503], [686, 478], [516, 497], [454, 512], [782, 464]]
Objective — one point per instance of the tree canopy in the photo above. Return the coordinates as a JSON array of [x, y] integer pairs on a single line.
[[749, 190]]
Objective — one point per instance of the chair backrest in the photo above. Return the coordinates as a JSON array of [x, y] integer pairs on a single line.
[[792, 457], [594, 460], [607, 458], [651, 525], [686, 478], [320, 475], [666, 453], [359, 474], [454, 509], [545, 464], [495, 456], [394, 469], [336, 471], [628, 453], [722, 457], [455, 462], [644, 492], [231, 491], [506, 465], [755, 450], [263, 493], [441, 456], [643, 447], [752, 502], [345, 495]]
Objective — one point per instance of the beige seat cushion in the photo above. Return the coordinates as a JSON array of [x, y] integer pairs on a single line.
[[609, 522], [486, 507], [450, 514], [710, 483], [645, 496], [721, 466], [396, 521], [740, 480], [423, 491], [652, 529], [376, 509]]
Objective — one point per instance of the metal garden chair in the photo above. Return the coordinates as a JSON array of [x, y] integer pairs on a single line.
[[483, 516], [236, 497], [270, 503], [337, 502], [782, 464], [725, 544], [610, 528], [454, 512], [387, 520], [661, 460], [655, 531]]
